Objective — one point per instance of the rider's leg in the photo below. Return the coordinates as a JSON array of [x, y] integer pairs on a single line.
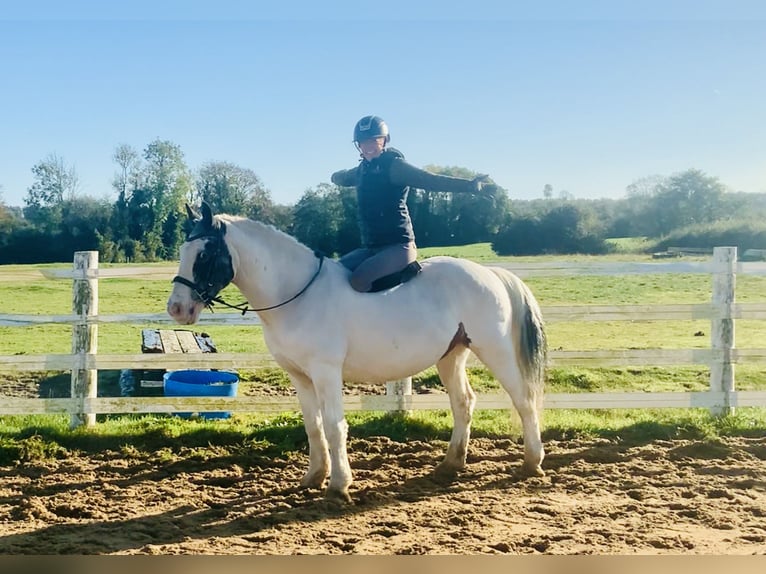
[[353, 259], [387, 260]]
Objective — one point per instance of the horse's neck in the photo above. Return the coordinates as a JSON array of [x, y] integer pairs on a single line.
[[269, 266]]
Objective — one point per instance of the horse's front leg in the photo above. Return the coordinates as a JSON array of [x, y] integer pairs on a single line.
[[319, 456], [328, 383]]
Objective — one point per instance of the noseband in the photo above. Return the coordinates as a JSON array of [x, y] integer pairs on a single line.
[[200, 292], [206, 290]]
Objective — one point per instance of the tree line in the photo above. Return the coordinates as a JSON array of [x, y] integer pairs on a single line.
[[145, 219]]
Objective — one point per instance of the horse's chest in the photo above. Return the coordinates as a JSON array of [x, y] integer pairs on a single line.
[[298, 346]]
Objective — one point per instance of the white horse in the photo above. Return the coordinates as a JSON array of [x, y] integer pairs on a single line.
[[322, 332]]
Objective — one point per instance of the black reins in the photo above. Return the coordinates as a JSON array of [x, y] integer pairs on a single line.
[[208, 300], [244, 310]]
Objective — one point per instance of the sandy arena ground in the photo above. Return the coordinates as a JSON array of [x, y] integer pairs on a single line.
[[598, 497]]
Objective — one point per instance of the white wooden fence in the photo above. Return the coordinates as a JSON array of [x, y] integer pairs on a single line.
[[85, 361]]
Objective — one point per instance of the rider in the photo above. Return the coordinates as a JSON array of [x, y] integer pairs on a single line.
[[382, 180]]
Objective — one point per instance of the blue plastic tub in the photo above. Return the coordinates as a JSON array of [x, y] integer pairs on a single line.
[[192, 383]]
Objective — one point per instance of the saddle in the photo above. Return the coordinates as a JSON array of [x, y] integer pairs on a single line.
[[394, 279]]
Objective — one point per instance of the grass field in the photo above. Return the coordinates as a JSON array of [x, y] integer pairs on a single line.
[[23, 290]]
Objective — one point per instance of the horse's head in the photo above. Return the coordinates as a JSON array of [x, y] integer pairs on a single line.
[[205, 267]]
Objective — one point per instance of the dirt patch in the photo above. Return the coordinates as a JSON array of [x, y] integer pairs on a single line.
[[24, 385], [267, 382], [598, 497]]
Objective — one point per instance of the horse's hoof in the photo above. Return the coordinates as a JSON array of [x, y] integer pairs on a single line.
[[338, 495], [529, 471], [446, 471], [315, 480]]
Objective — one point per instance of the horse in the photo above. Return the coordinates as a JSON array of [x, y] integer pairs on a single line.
[[322, 332]]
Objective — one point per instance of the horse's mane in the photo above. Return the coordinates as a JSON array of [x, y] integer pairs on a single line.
[[264, 232]]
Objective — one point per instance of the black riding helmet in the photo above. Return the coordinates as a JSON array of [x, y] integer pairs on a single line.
[[370, 127]]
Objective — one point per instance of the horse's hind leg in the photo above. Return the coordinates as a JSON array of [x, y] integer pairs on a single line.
[[462, 399], [319, 457], [503, 364]]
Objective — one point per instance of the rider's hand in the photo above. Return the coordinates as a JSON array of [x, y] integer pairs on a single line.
[[482, 186]]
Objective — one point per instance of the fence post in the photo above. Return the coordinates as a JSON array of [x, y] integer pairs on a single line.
[[722, 326], [84, 335], [401, 389]]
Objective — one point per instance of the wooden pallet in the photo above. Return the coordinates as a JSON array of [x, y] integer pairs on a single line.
[[176, 341]]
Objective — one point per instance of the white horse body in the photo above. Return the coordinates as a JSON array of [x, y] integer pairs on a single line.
[[332, 333], [387, 336]]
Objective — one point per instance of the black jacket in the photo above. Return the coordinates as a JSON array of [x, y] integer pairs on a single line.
[[382, 186]]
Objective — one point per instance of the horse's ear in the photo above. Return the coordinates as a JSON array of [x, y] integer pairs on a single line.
[[193, 215], [198, 225], [207, 214]]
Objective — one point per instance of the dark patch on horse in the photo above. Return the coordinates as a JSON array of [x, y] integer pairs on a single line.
[[460, 338]]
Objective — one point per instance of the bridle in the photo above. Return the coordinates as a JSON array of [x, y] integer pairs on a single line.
[[207, 293]]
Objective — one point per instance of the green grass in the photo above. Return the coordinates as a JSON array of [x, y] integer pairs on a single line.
[[622, 248], [476, 251], [629, 244], [245, 438]]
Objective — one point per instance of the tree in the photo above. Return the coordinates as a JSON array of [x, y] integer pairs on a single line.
[[518, 236], [317, 218], [167, 175], [282, 217], [548, 191], [636, 216], [166, 184], [126, 180], [129, 162], [84, 222], [567, 227], [428, 211], [686, 198], [54, 182], [347, 237], [8, 223], [572, 228], [645, 187], [229, 188]]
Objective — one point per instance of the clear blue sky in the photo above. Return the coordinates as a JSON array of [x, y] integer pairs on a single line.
[[586, 96]]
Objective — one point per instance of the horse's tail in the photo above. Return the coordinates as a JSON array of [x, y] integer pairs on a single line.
[[528, 332]]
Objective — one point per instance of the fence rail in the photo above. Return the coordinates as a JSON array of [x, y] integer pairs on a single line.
[[85, 361], [552, 314]]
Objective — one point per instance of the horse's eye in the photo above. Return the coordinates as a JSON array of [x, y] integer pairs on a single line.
[[204, 256]]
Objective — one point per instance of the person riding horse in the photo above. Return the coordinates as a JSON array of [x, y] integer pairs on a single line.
[[383, 178], [323, 333]]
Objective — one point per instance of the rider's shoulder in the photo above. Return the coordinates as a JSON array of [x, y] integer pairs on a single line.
[[391, 153], [389, 156]]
